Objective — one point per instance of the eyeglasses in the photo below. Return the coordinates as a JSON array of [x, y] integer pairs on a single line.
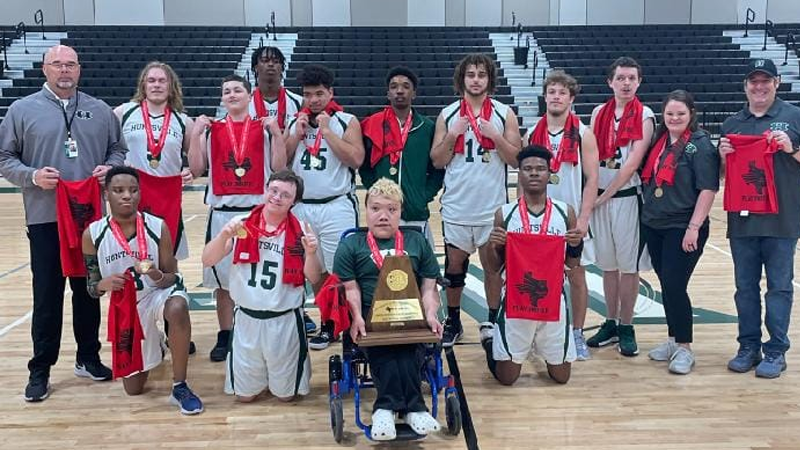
[[70, 66], [272, 192]]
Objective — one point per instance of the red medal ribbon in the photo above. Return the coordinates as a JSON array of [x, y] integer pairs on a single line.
[[153, 146], [664, 171], [141, 237], [239, 146], [261, 110], [395, 157], [313, 150], [376, 253], [526, 223]]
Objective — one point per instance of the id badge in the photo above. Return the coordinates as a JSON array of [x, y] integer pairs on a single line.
[[71, 148]]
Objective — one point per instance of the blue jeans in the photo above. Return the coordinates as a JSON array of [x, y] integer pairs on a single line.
[[776, 255]]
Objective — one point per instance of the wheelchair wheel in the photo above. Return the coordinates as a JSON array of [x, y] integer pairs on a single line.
[[334, 368], [453, 415], [337, 419]]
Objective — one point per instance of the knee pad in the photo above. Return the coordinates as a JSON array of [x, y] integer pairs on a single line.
[[455, 279]]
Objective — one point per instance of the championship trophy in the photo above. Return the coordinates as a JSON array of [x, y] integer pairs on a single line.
[[397, 315]]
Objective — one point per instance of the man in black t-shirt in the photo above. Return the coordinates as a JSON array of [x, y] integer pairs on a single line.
[[766, 240]]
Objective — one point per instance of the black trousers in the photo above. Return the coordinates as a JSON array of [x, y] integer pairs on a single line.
[[674, 268], [48, 304], [397, 372]]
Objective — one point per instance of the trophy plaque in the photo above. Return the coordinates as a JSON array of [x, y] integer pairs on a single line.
[[397, 315]]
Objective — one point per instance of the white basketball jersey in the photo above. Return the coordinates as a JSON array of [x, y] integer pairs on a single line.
[[136, 138], [558, 219], [569, 188], [606, 175], [474, 189], [260, 286], [331, 177], [238, 201], [293, 104], [113, 259]]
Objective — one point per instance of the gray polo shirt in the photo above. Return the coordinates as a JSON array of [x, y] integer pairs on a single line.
[[32, 136], [781, 116], [697, 170]]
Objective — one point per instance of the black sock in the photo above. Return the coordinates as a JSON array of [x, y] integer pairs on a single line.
[[454, 314], [223, 337], [493, 314]]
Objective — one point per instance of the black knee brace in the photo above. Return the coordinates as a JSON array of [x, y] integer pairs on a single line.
[[456, 280]]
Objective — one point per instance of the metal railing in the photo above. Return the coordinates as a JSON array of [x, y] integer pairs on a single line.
[[789, 39], [768, 25], [19, 31], [3, 46], [38, 18], [751, 17]]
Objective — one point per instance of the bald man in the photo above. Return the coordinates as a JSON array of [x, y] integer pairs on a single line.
[[58, 134]]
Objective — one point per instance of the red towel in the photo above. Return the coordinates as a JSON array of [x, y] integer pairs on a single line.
[[628, 130], [664, 171], [125, 331], [331, 108], [332, 304], [749, 175], [533, 285], [78, 203], [224, 180], [246, 250], [486, 114], [161, 196], [261, 110], [387, 138], [570, 141]]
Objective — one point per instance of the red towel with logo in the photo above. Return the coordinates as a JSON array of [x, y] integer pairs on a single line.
[[224, 180], [384, 131], [749, 175], [125, 331], [629, 128], [161, 196], [533, 285], [246, 250], [332, 304], [78, 203]]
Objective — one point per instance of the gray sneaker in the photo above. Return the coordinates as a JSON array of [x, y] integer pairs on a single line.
[[681, 361], [664, 351], [581, 349]]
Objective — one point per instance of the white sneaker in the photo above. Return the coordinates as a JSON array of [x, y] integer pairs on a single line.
[[664, 351], [486, 331], [682, 361], [581, 349], [383, 428]]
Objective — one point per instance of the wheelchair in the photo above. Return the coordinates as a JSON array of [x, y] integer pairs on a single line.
[[349, 372]]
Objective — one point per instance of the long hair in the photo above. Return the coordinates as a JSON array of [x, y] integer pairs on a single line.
[[175, 98], [477, 60], [678, 95]]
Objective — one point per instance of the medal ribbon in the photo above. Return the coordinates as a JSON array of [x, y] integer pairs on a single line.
[[473, 122], [376, 253], [262, 227], [261, 110], [141, 237], [240, 146], [526, 223], [153, 146], [395, 157], [313, 150]]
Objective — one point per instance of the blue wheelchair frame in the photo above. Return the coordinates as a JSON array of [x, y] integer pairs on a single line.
[[350, 373]]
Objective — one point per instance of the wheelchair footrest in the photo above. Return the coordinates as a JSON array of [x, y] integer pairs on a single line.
[[404, 433]]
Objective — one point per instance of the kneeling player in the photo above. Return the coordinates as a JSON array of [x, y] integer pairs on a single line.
[[130, 254], [540, 324], [271, 259]]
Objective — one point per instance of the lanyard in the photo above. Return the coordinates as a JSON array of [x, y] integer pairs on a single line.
[[68, 122], [526, 223]]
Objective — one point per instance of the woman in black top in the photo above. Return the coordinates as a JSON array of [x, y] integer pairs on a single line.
[[680, 179]]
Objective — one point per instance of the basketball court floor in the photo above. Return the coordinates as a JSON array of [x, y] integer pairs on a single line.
[[611, 402]]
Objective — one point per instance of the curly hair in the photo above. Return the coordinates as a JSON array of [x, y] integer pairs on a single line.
[[315, 75], [563, 78], [477, 60], [386, 188]]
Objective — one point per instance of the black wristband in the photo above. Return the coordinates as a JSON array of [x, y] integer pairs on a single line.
[[576, 251]]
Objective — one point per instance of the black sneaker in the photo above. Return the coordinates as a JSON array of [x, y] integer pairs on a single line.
[[311, 327], [38, 388], [220, 350], [94, 370], [453, 332], [322, 340]]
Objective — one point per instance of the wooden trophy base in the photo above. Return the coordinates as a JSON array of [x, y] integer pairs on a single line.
[[399, 337]]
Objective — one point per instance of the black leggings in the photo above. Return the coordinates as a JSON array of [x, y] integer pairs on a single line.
[[674, 268], [397, 372]]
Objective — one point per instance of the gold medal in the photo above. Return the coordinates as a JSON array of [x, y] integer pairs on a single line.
[[315, 162], [393, 171], [154, 163], [487, 157], [554, 179], [145, 265], [242, 233], [659, 192], [240, 171], [611, 163]]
